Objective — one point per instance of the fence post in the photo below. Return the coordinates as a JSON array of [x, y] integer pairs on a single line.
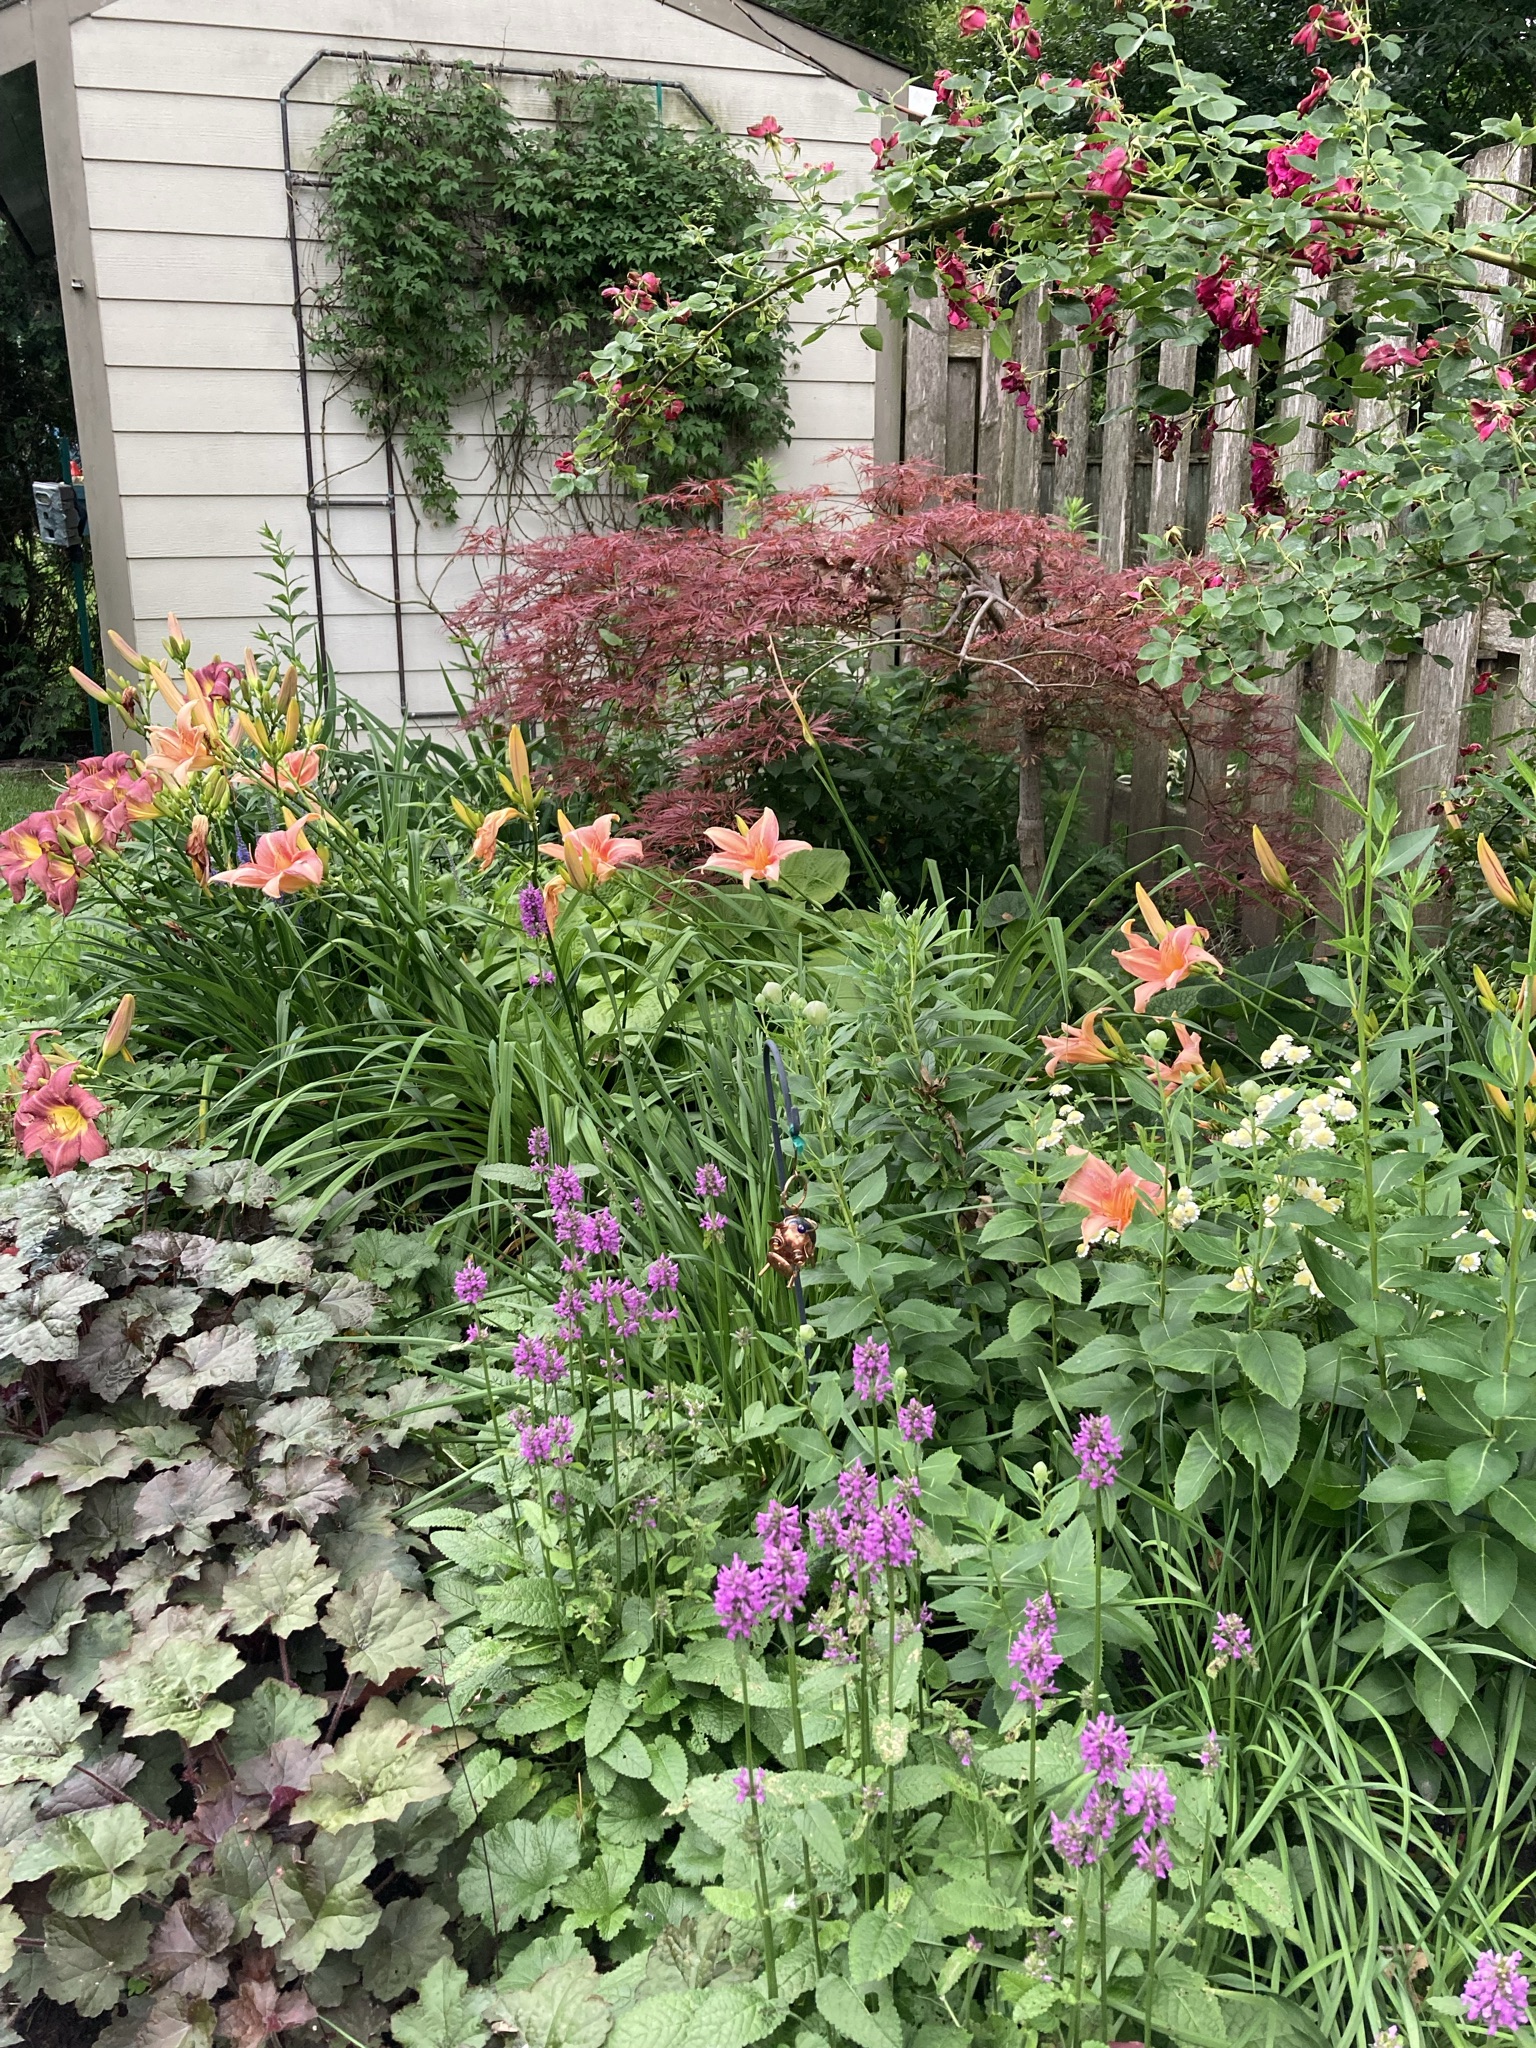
[[1228, 490], [1170, 497], [927, 393], [1021, 448], [1117, 477], [1074, 411]]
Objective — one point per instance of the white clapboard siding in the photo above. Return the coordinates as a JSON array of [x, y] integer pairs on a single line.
[[182, 139]]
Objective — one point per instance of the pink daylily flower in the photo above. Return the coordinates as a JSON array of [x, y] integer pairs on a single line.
[[1188, 1060], [58, 1120], [590, 853], [1170, 956], [752, 852], [282, 863], [1078, 1045], [1108, 1198]]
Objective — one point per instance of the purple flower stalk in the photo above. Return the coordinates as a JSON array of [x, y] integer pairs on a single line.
[[535, 1358], [784, 1577], [872, 1536], [538, 1148], [708, 1183], [1148, 1797], [1032, 1655], [1497, 1994], [470, 1284], [1152, 1854], [471, 1333], [547, 1443], [662, 1276], [750, 1786], [737, 1599], [1079, 1839], [1231, 1642], [1210, 1754], [872, 1373], [563, 1185], [1098, 1452], [1105, 1749], [915, 1422], [712, 1223], [530, 908], [600, 1234]]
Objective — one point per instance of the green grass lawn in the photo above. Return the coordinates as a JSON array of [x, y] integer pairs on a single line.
[[23, 791]]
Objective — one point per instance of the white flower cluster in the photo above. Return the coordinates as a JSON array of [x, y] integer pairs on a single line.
[[1472, 1261], [1184, 1210], [1285, 1052], [1062, 1124]]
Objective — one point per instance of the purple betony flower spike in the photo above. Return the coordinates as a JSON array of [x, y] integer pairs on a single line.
[[872, 1372], [470, 1284], [712, 1223], [750, 1786], [1497, 1994], [1098, 1452], [538, 1148], [736, 1599], [547, 1443], [915, 1421], [1032, 1655], [531, 909], [709, 1183], [1105, 1749], [1231, 1643]]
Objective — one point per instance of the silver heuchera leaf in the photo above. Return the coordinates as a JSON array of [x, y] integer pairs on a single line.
[[186, 1502], [127, 1336], [222, 1357], [233, 1266], [40, 1324]]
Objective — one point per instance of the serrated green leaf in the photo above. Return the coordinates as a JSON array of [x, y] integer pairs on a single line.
[[1262, 1886], [272, 1713], [876, 1944], [612, 1704], [599, 1896], [382, 1628], [221, 1357], [27, 1520], [88, 1961], [279, 1588], [445, 2013], [320, 1901], [562, 2008], [1198, 1466], [1265, 1433], [669, 1767], [514, 1867], [627, 1755], [403, 1948], [1275, 1362], [167, 1683], [843, 2009], [381, 1766], [40, 1739]]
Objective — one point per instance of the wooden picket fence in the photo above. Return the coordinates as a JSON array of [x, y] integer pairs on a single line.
[[1091, 448]]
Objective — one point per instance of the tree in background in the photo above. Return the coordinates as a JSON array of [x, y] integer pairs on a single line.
[[39, 706], [1461, 61]]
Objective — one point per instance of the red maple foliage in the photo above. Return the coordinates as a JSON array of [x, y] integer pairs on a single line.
[[696, 648]]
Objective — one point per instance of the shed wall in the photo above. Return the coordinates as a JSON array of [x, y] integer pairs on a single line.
[[182, 145]]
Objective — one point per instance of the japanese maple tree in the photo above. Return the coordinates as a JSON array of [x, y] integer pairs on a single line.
[[672, 664]]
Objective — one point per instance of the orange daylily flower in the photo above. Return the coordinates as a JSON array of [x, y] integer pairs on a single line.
[[590, 853], [1169, 957], [1187, 1060], [1078, 1045], [178, 752], [752, 852], [483, 847], [1108, 1198], [282, 863]]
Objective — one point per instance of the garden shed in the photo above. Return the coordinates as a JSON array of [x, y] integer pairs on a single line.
[[178, 138]]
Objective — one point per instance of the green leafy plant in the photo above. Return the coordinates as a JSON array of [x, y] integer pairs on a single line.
[[472, 254]]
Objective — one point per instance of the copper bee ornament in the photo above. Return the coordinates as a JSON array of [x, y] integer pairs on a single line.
[[792, 1246]]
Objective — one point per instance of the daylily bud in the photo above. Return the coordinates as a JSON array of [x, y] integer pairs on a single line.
[[1157, 1041], [1500, 888], [1271, 866], [1157, 924], [119, 1028], [91, 689], [289, 691], [197, 849], [471, 820], [255, 732], [291, 724], [1485, 994], [130, 654], [519, 783]]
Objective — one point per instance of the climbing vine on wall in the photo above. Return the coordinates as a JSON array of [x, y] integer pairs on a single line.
[[470, 256]]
